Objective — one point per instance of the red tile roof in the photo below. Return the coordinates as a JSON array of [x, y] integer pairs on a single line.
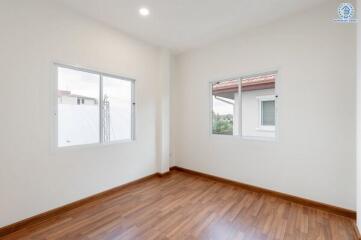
[[248, 84]]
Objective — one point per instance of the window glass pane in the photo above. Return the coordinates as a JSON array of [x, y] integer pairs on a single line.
[[117, 109], [78, 107], [258, 106], [268, 113], [225, 107]]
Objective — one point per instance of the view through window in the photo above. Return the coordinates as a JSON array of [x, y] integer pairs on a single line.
[[93, 108], [225, 109], [245, 106], [258, 106]]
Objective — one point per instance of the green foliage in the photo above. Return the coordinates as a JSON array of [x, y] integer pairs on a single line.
[[223, 124]]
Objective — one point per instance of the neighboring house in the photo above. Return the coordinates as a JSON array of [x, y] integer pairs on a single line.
[[66, 97], [258, 104]]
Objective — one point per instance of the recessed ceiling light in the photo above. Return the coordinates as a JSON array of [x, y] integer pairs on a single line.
[[144, 11]]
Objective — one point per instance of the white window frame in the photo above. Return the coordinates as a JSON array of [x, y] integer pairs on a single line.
[[262, 127], [101, 76], [240, 123]]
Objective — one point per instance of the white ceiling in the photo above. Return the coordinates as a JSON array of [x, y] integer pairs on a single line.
[[183, 24]]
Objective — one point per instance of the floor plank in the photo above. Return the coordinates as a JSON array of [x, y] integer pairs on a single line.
[[185, 206]]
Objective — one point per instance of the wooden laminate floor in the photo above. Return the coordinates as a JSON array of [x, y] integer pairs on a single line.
[[185, 206]]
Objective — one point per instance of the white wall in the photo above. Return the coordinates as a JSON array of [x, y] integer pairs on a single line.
[[358, 119], [33, 178], [163, 121], [315, 57], [173, 113], [314, 155]]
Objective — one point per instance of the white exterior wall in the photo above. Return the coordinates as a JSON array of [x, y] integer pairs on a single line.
[[33, 177], [74, 100], [251, 113], [314, 154], [89, 102]]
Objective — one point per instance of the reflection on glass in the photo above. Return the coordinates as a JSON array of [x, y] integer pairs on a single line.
[[117, 109], [268, 113]]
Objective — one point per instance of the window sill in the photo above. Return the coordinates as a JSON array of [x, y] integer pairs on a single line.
[[246, 138], [91, 146], [263, 139], [266, 129]]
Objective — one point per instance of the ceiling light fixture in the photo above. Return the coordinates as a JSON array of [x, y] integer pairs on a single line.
[[144, 11]]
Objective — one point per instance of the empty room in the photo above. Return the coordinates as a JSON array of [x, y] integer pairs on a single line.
[[180, 119]]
